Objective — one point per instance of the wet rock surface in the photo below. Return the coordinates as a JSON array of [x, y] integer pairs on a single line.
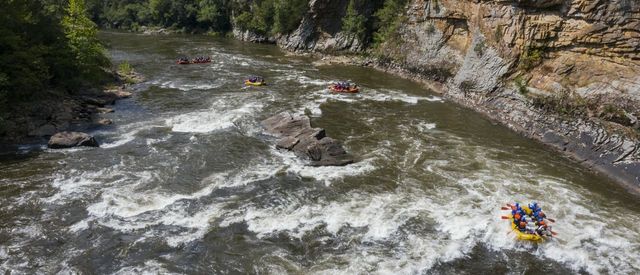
[[296, 134], [38, 120], [71, 139]]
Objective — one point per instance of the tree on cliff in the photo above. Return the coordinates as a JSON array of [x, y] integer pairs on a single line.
[[353, 22], [288, 14], [388, 20]]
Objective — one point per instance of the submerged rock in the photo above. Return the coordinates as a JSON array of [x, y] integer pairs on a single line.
[[104, 121], [71, 139], [297, 135]]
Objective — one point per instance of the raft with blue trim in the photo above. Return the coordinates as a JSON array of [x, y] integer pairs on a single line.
[[525, 236]]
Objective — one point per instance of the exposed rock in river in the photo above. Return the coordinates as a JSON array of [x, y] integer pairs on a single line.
[[71, 139], [297, 135]]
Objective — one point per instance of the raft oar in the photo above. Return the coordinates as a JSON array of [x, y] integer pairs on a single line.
[[505, 208], [505, 218]]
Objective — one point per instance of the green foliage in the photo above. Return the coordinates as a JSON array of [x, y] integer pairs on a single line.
[[289, 14], [531, 58], [213, 16], [499, 33], [479, 48], [521, 85], [612, 113], [271, 16], [353, 22], [82, 33], [388, 20], [125, 68], [40, 56], [563, 103], [37, 53], [263, 14]]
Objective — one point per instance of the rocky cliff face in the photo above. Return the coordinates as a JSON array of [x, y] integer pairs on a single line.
[[565, 72], [577, 58]]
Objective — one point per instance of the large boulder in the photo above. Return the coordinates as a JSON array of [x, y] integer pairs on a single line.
[[71, 139], [297, 135]]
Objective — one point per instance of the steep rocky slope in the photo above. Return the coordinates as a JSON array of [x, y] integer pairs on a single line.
[[565, 72]]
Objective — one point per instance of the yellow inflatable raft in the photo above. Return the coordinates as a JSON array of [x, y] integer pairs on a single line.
[[249, 83], [524, 236]]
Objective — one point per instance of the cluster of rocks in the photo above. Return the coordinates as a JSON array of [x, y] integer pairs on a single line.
[[85, 107], [54, 114], [296, 134]]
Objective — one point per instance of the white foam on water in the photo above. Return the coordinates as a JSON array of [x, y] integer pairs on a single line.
[[193, 225], [393, 95], [309, 82], [380, 216], [150, 267], [129, 202], [127, 205], [3, 252], [79, 226], [313, 100], [128, 133], [425, 127], [247, 175], [125, 208], [184, 85], [361, 210], [221, 116], [75, 186], [326, 174]]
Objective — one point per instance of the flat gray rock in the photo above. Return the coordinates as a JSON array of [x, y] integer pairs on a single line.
[[297, 135]]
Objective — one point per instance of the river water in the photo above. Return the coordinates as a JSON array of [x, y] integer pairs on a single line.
[[186, 181]]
